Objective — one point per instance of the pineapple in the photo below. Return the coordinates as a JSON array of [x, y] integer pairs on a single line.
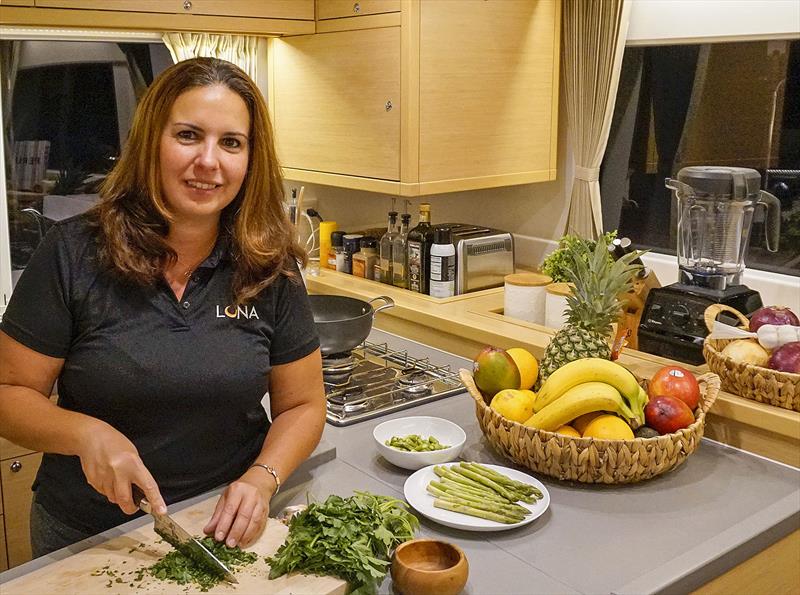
[[593, 306]]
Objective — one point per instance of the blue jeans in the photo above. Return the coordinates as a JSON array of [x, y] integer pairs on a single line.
[[48, 534]]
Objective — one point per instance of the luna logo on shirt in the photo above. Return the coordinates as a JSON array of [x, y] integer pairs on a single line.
[[237, 312]]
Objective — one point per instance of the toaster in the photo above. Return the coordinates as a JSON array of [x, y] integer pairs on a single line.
[[484, 256]]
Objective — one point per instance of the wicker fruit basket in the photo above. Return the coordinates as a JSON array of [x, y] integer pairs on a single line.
[[764, 385], [590, 460]]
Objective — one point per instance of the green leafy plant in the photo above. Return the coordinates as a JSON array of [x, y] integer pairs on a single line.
[[350, 538], [183, 570], [559, 262]]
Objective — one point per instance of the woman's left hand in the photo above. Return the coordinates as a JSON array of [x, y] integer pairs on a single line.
[[241, 512]]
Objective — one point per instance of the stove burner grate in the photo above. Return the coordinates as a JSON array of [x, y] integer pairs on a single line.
[[374, 380]]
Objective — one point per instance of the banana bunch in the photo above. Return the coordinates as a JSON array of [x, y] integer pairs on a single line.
[[584, 386]]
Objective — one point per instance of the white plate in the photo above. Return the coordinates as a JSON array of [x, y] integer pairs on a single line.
[[418, 497]]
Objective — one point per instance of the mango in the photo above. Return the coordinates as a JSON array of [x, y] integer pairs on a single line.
[[495, 370]]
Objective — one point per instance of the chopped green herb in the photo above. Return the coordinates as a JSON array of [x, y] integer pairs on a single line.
[[178, 568], [415, 443], [350, 538]]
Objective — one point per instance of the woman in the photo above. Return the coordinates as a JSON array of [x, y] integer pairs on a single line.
[[166, 313]]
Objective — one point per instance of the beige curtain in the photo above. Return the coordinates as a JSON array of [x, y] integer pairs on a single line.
[[242, 50], [594, 40]]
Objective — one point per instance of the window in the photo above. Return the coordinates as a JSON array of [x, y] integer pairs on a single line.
[[67, 109], [730, 104]]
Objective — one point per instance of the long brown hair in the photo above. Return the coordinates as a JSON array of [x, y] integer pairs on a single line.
[[133, 219]]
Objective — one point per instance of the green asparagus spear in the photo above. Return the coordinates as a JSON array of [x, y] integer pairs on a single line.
[[527, 493], [503, 480], [450, 474], [490, 483], [452, 485], [476, 502], [492, 516]]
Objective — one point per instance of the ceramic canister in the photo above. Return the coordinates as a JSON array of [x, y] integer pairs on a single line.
[[524, 296], [555, 304]]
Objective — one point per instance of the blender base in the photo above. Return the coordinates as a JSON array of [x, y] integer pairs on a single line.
[[673, 325]]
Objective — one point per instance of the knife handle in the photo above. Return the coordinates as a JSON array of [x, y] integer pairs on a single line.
[[139, 499]]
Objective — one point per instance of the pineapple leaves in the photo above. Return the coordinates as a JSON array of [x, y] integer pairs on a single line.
[[598, 281]]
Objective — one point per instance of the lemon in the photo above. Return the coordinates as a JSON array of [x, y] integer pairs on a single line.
[[608, 427], [580, 423], [527, 365], [516, 405], [568, 431]]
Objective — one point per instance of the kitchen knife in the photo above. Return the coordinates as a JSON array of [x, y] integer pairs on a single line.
[[181, 540]]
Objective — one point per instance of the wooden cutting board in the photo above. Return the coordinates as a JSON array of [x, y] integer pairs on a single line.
[[110, 567]]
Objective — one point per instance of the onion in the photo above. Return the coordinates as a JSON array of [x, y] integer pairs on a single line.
[[746, 351], [776, 315], [786, 358]]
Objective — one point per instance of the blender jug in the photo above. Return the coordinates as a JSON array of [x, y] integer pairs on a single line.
[[715, 212]]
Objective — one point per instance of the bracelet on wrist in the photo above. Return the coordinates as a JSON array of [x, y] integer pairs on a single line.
[[272, 472]]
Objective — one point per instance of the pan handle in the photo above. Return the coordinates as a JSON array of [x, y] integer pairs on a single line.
[[389, 303]]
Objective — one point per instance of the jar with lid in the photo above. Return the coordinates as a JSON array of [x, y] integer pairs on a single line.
[[364, 259], [352, 244], [336, 253]]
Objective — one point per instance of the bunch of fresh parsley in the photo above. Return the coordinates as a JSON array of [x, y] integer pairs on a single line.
[[558, 261], [183, 570], [350, 538]]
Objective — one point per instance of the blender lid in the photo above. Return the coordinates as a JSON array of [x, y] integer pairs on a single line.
[[721, 181]]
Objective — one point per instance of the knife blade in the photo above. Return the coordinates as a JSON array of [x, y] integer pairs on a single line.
[[181, 540]]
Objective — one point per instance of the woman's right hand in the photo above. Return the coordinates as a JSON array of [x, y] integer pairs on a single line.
[[111, 464]]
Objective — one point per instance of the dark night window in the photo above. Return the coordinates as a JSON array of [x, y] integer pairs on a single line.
[[728, 104], [64, 125]]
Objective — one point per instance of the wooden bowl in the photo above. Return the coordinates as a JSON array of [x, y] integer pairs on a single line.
[[429, 567]]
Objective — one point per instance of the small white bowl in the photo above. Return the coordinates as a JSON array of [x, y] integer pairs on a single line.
[[446, 432]]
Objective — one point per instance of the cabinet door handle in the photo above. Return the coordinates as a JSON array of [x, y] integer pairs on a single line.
[[16, 467], [389, 105], [187, 5], [356, 8]]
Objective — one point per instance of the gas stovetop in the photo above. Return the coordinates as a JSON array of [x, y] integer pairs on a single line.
[[380, 377]]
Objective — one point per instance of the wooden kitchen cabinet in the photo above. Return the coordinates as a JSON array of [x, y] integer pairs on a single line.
[[3, 551], [336, 102], [255, 17], [16, 2], [477, 103], [336, 9], [17, 475], [274, 9]]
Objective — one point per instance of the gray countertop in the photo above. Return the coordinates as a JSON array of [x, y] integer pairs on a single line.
[[668, 534], [671, 533]]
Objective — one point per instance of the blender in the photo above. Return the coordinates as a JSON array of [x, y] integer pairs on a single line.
[[715, 213]]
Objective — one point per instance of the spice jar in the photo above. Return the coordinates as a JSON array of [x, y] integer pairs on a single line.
[[364, 260], [352, 244], [336, 252]]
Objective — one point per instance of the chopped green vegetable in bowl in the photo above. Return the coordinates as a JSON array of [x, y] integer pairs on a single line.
[[350, 538], [409, 452], [415, 443]]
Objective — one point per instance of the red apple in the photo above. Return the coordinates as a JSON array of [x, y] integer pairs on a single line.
[[667, 414], [677, 382]]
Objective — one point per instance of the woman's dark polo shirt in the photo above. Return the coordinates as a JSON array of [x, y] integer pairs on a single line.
[[183, 380]]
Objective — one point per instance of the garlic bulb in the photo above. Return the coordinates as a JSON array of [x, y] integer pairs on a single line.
[[773, 336]]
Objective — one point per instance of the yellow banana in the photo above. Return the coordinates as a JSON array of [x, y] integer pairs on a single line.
[[592, 369], [579, 400]]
